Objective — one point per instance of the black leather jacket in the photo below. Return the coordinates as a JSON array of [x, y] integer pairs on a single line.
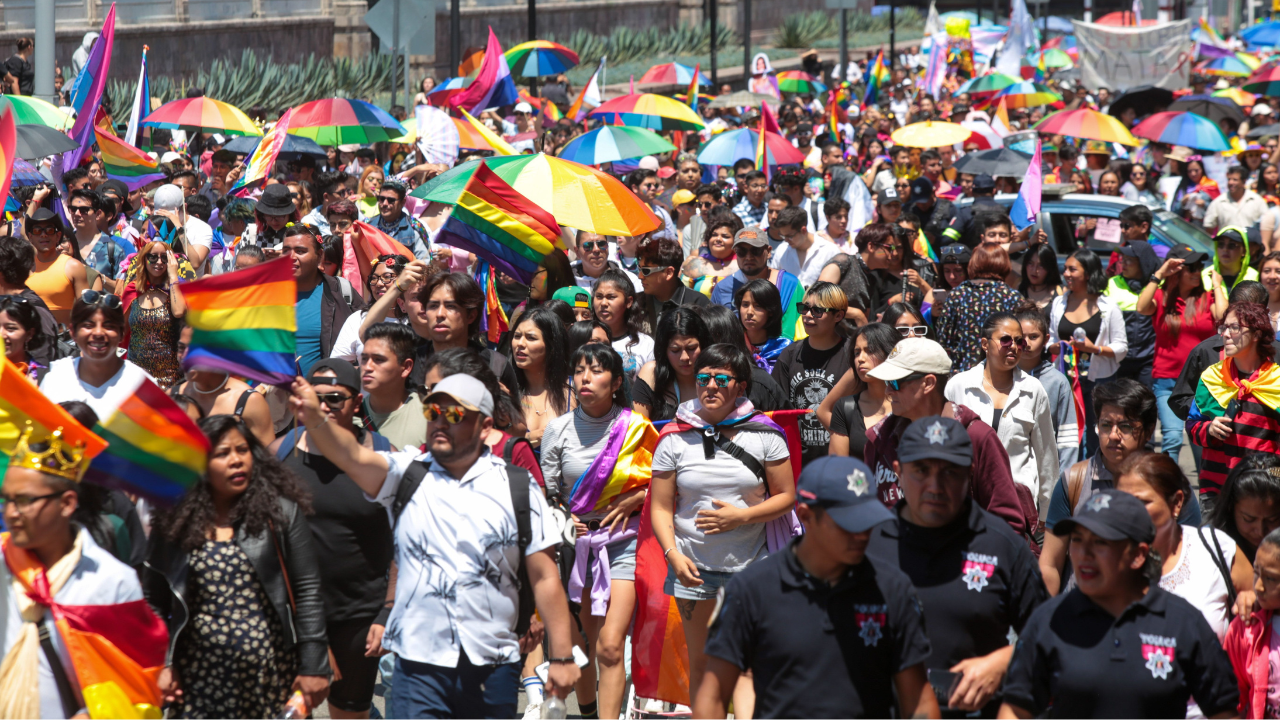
[[166, 589]]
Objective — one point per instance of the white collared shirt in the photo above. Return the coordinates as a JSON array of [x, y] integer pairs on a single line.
[[457, 554], [815, 259]]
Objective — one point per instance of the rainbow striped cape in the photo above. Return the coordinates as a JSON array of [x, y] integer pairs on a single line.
[[1219, 385], [625, 464], [243, 323]]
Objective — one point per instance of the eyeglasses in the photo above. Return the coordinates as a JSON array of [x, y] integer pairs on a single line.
[[453, 414], [1010, 341], [23, 503], [757, 186], [908, 331], [80, 209], [592, 245], [805, 308], [1234, 328], [720, 380], [333, 399], [387, 279], [101, 299], [646, 271], [890, 248], [1127, 429], [897, 385], [707, 204]]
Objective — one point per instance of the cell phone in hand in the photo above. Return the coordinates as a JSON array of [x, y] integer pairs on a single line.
[[943, 682]]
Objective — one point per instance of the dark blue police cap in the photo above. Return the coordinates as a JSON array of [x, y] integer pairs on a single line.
[[936, 438], [844, 487], [1111, 515]]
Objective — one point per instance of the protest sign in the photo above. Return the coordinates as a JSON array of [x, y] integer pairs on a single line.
[[1120, 58]]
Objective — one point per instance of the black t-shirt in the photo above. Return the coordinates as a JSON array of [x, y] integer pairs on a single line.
[[659, 408], [1076, 660], [816, 650], [975, 577], [352, 539], [22, 70], [806, 375], [846, 419]]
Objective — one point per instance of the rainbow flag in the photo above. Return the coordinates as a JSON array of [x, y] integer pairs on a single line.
[[493, 86], [877, 75], [768, 124], [691, 96], [1068, 364], [494, 321], [631, 443], [501, 226], [259, 165], [88, 90], [589, 97], [243, 323], [154, 449], [1041, 70], [834, 114], [500, 146], [126, 163], [8, 151], [1026, 208], [22, 405]]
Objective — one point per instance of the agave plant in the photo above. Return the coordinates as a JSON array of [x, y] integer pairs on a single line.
[[804, 30], [625, 44]]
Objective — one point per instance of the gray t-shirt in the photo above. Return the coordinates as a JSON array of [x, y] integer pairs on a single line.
[[570, 443], [724, 478]]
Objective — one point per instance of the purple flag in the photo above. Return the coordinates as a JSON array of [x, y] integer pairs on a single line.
[[98, 65], [1026, 208]]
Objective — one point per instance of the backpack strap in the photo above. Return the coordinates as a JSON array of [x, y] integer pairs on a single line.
[[243, 402], [287, 442], [509, 449], [68, 696], [736, 450], [1075, 482], [1224, 567], [413, 477]]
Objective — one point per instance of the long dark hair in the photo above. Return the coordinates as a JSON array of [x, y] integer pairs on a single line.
[[765, 294], [607, 358], [1251, 478], [683, 321], [635, 318], [189, 522], [1048, 260], [1095, 278], [580, 333], [881, 339], [556, 368], [24, 313]]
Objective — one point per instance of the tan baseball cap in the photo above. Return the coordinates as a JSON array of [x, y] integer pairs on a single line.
[[751, 235], [913, 355]]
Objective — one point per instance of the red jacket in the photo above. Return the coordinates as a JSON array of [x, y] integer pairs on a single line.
[[1247, 646]]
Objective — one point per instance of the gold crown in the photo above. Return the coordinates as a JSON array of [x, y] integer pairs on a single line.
[[60, 458]]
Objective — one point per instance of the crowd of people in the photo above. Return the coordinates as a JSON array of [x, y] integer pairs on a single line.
[[1075, 444]]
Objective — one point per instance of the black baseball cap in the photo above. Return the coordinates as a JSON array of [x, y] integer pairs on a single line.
[[344, 374], [936, 438], [1186, 254], [984, 182], [888, 195], [845, 489], [1111, 515], [1131, 250], [956, 253]]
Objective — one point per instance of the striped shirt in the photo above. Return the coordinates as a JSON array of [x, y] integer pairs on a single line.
[[1255, 428]]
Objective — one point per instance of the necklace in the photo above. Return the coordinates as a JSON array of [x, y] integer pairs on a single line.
[[545, 403], [196, 387]]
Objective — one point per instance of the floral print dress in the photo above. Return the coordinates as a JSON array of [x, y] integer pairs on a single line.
[[231, 660], [961, 315]]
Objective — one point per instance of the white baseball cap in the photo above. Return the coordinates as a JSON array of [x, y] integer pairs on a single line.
[[1261, 109], [467, 391], [913, 355], [169, 197], [170, 157], [524, 107], [649, 162]]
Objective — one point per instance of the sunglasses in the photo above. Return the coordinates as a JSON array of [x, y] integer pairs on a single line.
[[748, 250], [100, 299], [805, 308], [155, 257], [646, 271], [1230, 246], [1010, 341], [890, 248], [592, 245], [897, 385], [333, 399], [8, 301], [44, 230], [453, 414], [79, 209], [907, 331], [950, 250], [388, 200], [706, 205], [721, 380]]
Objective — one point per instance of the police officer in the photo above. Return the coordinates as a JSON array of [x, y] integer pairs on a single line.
[[825, 631], [984, 201], [1117, 645], [974, 575]]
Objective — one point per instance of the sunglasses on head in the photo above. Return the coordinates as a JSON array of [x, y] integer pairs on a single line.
[[950, 250], [8, 301], [100, 299], [453, 414], [720, 380]]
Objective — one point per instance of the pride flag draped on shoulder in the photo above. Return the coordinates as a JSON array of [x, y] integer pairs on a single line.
[[244, 323]]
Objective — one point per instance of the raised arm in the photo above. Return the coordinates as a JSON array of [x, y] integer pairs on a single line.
[[368, 469]]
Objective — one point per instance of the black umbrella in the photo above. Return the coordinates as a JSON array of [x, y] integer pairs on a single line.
[[1265, 131], [1144, 99], [998, 162], [1213, 108], [37, 141], [295, 146]]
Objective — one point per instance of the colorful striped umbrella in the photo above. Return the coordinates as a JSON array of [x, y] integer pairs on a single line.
[[1224, 67], [1253, 61], [930, 134], [984, 86], [579, 197], [1026, 94], [798, 81], [202, 114], [34, 111], [1237, 96], [1183, 128], [1087, 124], [647, 110], [672, 74], [1264, 81], [24, 173], [540, 57], [734, 145], [1053, 58], [1065, 43], [340, 121], [614, 142]]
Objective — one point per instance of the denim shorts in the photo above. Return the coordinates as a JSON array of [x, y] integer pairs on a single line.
[[622, 559], [712, 581]]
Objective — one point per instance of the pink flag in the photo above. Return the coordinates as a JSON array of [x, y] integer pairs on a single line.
[[493, 86], [1026, 209], [88, 91]]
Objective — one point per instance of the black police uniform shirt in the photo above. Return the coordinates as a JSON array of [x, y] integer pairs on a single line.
[[817, 650], [975, 579], [1075, 660]]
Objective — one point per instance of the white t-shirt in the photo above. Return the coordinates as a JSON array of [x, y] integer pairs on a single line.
[[348, 345], [634, 356], [199, 232], [724, 478], [1197, 579], [62, 383], [819, 253]]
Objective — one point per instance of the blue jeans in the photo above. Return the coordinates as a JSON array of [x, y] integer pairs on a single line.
[[1170, 424], [467, 691]]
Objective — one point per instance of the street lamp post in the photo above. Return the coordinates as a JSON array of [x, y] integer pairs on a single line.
[[455, 35], [45, 58], [713, 10]]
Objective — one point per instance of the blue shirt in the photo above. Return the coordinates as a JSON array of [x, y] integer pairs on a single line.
[[308, 310], [107, 255]]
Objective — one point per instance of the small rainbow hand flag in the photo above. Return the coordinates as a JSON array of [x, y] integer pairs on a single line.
[[692, 93], [154, 449], [259, 165], [126, 163], [502, 226], [244, 323]]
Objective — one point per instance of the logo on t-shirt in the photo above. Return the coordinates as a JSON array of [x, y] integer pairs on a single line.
[[978, 569], [1158, 651], [808, 389], [871, 620]]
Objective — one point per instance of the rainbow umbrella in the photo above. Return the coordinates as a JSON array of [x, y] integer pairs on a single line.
[[672, 74], [1053, 58], [1253, 61], [440, 95], [984, 86], [610, 143], [1183, 128], [655, 112], [1026, 94], [577, 195], [202, 114], [1264, 81], [798, 81], [24, 173], [1065, 43], [1237, 96], [34, 111], [340, 121], [540, 57], [1224, 67], [1087, 124], [734, 145], [930, 134]]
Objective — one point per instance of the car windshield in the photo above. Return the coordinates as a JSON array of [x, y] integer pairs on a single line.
[[1181, 231]]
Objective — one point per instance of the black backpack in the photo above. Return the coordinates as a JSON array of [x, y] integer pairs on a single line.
[[519, 480]]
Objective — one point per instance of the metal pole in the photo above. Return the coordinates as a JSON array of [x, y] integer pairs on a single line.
[[408, 97], [844, 43], [455, 35], [533, 35], [712, 10], [893, 34], [746, 38], [395, 49], [45, 59]]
